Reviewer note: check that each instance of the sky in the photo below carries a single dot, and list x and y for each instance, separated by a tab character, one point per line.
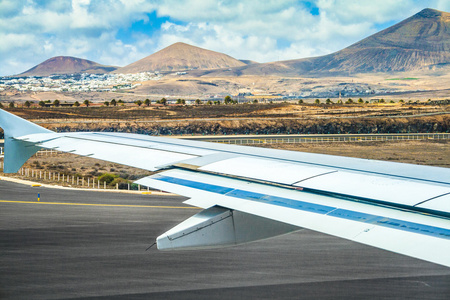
119	32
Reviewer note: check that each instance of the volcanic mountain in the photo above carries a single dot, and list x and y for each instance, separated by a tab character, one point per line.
67	65
419	42
181	57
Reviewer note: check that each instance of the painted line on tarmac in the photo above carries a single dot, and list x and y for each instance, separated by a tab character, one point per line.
93	204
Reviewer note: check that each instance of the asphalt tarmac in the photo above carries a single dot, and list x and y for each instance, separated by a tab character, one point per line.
92	245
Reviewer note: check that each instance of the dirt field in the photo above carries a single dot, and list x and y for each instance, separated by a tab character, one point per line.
432	84
276	118
427	152
155	112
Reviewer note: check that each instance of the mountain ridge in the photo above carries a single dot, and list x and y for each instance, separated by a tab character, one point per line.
420	41
181	57
67	65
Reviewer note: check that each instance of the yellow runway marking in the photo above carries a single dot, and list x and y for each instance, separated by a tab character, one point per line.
92	204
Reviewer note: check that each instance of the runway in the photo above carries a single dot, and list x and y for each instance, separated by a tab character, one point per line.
91	245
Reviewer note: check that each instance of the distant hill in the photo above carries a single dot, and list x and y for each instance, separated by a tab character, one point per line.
419	42
181	57
67	65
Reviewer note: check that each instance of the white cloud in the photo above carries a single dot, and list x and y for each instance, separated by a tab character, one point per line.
340	23
32	31
443	5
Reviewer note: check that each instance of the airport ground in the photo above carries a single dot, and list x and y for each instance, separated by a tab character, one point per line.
75	244
91	245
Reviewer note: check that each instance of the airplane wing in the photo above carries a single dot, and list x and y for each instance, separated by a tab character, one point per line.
252	193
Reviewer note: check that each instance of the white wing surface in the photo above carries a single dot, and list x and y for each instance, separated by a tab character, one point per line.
254	193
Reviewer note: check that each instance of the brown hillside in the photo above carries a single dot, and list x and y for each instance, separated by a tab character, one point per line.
419	42
67	65
181	57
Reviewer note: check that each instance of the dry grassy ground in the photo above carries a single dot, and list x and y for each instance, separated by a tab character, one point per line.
418	85
425	85
426	152
131	112
276	118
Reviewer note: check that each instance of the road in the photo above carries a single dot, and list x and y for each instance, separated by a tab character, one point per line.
91	245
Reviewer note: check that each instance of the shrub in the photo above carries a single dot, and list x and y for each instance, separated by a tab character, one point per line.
107	177
122	182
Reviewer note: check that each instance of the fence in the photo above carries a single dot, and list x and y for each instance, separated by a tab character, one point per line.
68	180
319	138
46	152
328	138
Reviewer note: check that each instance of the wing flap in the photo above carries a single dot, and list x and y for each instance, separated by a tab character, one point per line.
266	169
382	188
384	227
379	188
441	203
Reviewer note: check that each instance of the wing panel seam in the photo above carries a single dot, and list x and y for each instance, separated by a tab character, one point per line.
313	208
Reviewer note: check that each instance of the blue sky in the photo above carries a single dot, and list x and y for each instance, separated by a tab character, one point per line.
118	32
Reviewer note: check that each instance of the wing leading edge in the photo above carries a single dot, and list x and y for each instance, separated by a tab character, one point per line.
254	193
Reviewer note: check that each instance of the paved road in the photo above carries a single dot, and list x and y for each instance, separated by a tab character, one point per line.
64	248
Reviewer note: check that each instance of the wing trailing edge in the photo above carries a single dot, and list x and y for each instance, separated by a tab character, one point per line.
402	230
